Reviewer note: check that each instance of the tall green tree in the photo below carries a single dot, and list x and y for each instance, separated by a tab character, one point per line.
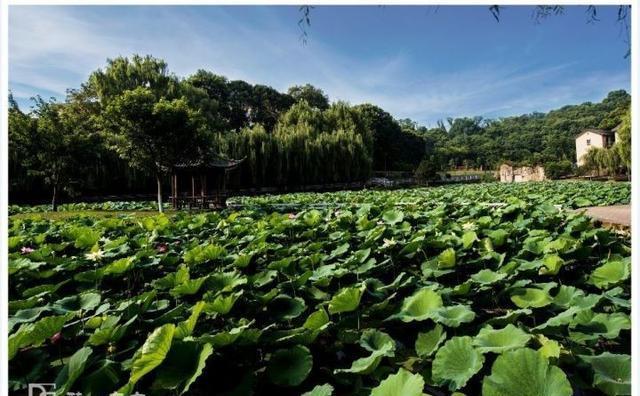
146	114
315	97
623	145
153	133
56	145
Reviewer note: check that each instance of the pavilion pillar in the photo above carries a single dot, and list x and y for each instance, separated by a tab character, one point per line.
174	190
203	190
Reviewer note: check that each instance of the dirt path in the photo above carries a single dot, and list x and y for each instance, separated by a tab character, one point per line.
617	215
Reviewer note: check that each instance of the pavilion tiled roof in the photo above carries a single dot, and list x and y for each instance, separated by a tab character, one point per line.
604	132
208	163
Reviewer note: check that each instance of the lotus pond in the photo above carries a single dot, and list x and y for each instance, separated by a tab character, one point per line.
473	290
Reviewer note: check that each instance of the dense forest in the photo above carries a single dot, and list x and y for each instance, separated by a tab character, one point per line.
121	131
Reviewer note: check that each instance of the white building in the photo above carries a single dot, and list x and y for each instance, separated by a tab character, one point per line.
589	138
509	174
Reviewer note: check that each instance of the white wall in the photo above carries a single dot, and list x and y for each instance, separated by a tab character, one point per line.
582	147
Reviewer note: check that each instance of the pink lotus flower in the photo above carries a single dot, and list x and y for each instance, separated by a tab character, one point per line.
292	216
26	250
55	338
162	247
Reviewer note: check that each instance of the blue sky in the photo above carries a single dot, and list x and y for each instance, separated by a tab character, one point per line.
424	63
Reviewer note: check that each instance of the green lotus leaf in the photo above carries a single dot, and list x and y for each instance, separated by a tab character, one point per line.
34	334
455	315
346	300
560	245
563	318
109	331
84	237
106	375
500	340
225	338
152	353
363	365
204	253
456	362
508	317
526	265
611	273
290	367
119	266
339	251
282	264
616	296
316	320
190	287
468	238
402	383
173	279
487	277
525	372
72	370
374	234
392	216
182	366
430	269
242	260
498	237
81	302
283	307
223	304
447	258
533	245
40	289
312	218
462	289
581	202
410	248
422	305
185	328
360	256
320	390
611	373
531	298
380	344
587	325
427	343
263	278
486	246
226	282
552	265
26	316
549	348
375	341
570	296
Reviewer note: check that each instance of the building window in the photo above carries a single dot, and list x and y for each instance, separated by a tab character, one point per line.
588	142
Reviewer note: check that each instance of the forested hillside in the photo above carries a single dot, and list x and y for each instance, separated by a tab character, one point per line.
84	144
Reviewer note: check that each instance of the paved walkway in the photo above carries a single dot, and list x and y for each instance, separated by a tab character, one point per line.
617	215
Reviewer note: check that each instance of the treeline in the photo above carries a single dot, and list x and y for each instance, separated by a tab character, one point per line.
123	129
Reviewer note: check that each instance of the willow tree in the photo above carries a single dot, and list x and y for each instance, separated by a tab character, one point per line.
623	145
323	146
605	161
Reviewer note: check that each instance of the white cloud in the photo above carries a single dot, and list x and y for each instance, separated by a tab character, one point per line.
54	48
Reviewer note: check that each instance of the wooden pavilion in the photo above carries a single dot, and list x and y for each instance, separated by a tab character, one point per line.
201	183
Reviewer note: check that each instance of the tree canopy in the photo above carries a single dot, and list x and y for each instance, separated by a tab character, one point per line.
139	119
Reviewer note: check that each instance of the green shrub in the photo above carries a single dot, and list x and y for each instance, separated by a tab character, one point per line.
558	169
